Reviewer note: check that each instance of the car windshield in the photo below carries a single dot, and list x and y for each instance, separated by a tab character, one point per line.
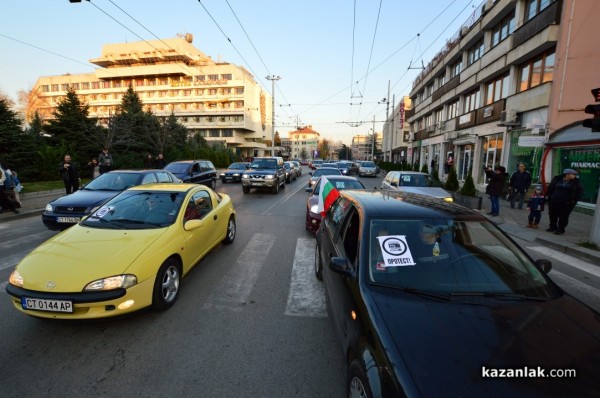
264	164
326	172
137	210
237	166
113	181
458	258
368	164
417	180
288	166
340	184
177	168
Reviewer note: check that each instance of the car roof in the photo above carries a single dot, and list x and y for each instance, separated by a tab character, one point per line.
397	204
409	172
191	161
168	187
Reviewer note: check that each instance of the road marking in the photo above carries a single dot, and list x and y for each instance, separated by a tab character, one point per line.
3	286
287	196
567	259
307	294
232	293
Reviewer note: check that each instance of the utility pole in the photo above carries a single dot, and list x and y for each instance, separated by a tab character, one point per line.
392	127
373	141
387	125
273	79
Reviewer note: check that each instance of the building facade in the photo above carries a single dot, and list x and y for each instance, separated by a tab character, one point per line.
396	138
220	101
366	147
304	143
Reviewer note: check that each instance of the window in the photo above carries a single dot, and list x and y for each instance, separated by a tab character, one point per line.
453	109
441	80
496	89
472	101
475	52
139	82
429	120
239	90
213	77
163	81
536	71
456	69
200	205
504	28
95	85
534	7
212	91
75	86
45	88
227	133
85	86
64	87
105	84
214	133
200	78
117	84
226	76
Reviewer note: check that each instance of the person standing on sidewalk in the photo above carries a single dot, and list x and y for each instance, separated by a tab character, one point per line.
535	205
495	187
69	174
562	195
520	181
105	160
5	203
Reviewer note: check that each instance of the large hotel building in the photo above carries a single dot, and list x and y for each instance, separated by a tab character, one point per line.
511	86
220	101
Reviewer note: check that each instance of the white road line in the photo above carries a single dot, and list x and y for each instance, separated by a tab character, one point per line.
567	259
574	286
285	199
307	294
232	293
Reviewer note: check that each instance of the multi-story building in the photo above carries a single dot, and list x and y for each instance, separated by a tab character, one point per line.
220	101
304	143
483	99
396	133
366	147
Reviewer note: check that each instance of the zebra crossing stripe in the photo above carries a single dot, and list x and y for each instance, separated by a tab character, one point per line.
306	295
232	294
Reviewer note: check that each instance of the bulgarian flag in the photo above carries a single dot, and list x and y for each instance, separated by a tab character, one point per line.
327	195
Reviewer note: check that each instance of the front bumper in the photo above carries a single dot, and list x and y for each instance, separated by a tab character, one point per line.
258	183
88	305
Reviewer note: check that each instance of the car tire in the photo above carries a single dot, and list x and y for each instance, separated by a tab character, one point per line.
231	231
318	263
213	183
223	181
356	383
166	285
275	189
246	189
283	185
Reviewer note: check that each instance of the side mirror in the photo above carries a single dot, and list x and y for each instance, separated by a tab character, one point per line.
544	264
192	224
340	265
309	189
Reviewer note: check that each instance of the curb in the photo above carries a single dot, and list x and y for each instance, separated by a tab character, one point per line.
591	256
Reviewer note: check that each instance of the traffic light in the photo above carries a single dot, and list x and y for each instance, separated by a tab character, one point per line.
594	123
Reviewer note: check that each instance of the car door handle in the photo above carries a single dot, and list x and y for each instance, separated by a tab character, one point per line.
215	217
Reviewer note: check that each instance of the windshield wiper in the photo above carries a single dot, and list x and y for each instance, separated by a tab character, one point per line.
498	295
418	292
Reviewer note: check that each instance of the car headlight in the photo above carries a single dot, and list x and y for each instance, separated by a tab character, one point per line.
269	177
113	282
222	174
236	174
16	279
49	207
449	199
314	208
245	176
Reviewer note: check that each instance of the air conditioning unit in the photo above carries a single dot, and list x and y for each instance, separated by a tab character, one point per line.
441	125
508	116
449	136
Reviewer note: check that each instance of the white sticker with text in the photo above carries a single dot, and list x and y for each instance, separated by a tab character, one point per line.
395	251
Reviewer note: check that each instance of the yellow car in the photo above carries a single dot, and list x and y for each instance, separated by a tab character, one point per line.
129	254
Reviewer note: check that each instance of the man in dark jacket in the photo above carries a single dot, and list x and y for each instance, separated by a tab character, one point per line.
562	195
520	181
69	174
495	187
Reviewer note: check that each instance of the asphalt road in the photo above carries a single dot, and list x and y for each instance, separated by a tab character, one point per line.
251	319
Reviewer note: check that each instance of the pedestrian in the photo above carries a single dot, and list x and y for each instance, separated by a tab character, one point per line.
535	205
13	187
148	162
563	193
160	161
95	168
520	181
5	202
495	186
449	162
105	161
69	174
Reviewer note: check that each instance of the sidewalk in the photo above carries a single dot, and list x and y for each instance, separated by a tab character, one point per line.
511	221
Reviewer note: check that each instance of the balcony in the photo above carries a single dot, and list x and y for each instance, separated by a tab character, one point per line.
549	16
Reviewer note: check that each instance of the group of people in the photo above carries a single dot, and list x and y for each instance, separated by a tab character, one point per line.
69	172
158	163
10	186
562	194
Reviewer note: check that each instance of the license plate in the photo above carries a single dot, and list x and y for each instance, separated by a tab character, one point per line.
71	220
46	305
257	184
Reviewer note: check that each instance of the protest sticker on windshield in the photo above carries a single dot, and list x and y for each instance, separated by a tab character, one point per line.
395	251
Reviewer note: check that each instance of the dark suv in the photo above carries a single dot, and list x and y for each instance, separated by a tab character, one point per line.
264	172
194	171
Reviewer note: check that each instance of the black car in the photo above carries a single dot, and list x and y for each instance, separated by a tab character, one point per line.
67	210
431	299
194	171
234	172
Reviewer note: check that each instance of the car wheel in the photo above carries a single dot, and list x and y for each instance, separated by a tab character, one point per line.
275	189
318	263
223	181
231	229
166	285
213	183
357	382
246	189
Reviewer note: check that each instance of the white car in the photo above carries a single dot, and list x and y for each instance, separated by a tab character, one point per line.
415	182
368	168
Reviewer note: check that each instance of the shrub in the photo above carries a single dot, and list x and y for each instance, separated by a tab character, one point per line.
468	188
424	168
452	181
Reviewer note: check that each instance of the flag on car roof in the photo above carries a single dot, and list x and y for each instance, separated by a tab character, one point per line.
327	195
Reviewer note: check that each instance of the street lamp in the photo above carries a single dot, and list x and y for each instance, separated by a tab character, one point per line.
273	79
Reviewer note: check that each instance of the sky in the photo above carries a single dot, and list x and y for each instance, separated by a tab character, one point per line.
335	58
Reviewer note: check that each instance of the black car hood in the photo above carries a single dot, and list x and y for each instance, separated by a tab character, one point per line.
84	198
446	345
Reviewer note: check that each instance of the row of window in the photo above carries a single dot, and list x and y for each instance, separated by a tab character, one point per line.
162	81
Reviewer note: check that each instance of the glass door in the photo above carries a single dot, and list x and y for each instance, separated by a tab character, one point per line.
466	162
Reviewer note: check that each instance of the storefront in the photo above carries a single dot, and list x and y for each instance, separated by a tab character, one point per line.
527	147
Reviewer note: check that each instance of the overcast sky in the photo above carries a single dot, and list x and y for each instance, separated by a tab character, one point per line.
335	57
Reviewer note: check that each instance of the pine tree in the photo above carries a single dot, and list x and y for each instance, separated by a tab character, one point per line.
452	181
468	188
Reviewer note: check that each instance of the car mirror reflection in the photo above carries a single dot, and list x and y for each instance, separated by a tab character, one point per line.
340	266
544	264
